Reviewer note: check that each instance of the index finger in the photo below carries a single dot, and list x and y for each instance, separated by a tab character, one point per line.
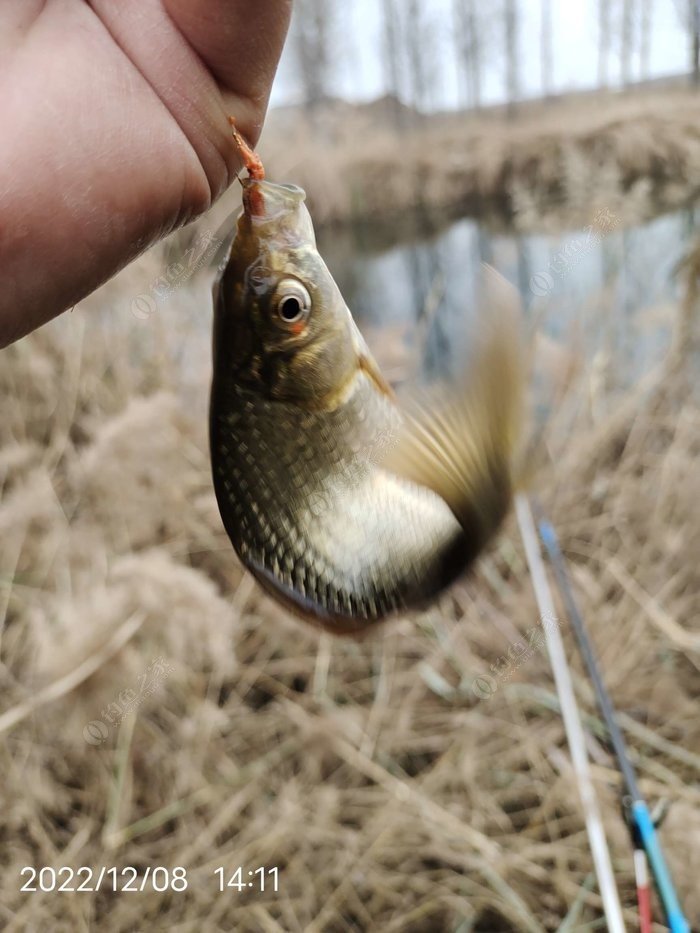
240	43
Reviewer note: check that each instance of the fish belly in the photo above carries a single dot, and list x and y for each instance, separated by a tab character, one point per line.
309	511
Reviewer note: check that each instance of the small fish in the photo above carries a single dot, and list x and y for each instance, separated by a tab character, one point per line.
344	505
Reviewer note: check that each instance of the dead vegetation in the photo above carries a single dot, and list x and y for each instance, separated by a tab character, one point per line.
633	153
390	789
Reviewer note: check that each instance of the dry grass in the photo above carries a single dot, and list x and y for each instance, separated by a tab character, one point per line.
390	796
633	154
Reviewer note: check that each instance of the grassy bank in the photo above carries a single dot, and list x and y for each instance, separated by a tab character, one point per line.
555	163
391	792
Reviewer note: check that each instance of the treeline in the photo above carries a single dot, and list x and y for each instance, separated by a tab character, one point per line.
481	36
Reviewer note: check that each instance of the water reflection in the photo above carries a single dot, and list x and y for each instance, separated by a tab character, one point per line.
608	286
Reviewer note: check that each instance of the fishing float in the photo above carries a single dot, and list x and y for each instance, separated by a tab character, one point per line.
644	832
572	720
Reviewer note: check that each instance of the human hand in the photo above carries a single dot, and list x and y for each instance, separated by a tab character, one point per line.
113	132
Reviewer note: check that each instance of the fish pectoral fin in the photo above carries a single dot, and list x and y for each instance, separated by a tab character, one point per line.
461	439
368	365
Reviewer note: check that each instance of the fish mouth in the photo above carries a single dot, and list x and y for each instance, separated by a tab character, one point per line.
265	200
276	214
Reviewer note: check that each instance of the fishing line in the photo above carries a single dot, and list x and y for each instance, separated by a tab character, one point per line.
638	811
572	721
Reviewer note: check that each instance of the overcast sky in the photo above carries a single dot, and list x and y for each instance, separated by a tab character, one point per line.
359	72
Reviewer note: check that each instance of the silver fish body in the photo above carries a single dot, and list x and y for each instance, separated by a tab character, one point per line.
344	507
317	520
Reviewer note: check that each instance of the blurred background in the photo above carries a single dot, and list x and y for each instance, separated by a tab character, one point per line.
156	709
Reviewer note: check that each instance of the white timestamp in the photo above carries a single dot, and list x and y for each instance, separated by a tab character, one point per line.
252	879
85	879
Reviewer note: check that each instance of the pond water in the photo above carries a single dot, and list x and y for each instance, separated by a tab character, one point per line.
610	285
609	292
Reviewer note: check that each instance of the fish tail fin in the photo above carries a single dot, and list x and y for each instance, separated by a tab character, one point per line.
462	441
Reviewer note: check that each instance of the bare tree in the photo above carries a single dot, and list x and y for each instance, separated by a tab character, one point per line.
312	41
468	45
627	40
391	48
419	49
689	13
511	26
694	18
603	41
645	38
546	46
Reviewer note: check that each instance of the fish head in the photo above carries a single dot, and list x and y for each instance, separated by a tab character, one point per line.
282	326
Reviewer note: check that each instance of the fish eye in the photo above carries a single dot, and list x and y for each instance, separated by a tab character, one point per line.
292	301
